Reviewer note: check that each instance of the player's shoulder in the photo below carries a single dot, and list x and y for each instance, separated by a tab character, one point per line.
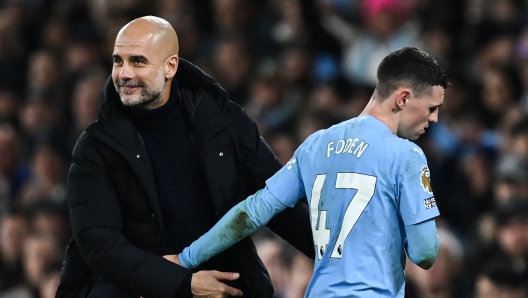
408	150
409	147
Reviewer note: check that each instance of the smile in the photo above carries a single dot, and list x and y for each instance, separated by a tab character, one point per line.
129	87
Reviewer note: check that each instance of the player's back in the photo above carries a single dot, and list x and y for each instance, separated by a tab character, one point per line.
351	175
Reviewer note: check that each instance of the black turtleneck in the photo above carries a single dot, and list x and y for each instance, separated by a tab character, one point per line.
184	199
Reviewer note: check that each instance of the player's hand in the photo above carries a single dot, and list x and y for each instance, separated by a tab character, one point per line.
206	284
173	258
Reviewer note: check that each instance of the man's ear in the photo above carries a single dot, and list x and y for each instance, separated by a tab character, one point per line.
402	98
171	66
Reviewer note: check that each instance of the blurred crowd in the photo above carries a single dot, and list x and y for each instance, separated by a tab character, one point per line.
297	66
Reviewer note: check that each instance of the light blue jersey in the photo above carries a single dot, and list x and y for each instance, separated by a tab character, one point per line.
363	184
369	193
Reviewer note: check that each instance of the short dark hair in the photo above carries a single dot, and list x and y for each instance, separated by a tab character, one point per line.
412	67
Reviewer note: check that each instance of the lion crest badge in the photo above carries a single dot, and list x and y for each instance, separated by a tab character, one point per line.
425	179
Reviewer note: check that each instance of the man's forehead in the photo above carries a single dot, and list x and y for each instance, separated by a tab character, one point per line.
140	45
438	94
131	39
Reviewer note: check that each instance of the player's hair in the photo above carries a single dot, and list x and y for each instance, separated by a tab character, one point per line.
410	67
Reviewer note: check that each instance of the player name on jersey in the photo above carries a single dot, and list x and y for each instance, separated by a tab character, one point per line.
349	146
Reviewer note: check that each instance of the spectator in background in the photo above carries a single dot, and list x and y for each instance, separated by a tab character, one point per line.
512	232
387	26
40	253
50	219
269	107
43	78
516	139
501	91
13	173
47	179
232	65
9	103
283	145
508	246
14	230
510	179
85	102
497	279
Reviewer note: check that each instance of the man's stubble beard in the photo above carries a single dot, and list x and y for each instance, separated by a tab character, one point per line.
148	98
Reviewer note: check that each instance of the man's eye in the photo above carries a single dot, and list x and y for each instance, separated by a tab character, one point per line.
117	61
431	110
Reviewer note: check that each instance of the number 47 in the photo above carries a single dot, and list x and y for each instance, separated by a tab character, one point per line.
365	185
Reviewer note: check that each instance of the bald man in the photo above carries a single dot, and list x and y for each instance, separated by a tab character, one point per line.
168	156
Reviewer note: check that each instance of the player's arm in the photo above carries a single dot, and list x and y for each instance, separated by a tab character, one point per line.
418	207
239	222
260	163
422	243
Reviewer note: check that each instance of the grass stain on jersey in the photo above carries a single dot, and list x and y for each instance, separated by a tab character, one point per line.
238	228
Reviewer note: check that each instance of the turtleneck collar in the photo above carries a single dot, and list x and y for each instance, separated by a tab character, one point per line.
159	118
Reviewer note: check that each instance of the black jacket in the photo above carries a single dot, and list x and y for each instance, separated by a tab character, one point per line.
114	209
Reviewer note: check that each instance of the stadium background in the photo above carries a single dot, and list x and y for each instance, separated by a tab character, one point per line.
296	66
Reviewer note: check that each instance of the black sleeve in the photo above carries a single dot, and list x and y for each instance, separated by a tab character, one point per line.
293	224
95	214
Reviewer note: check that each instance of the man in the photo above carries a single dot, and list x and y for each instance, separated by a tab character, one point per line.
168	156
368	189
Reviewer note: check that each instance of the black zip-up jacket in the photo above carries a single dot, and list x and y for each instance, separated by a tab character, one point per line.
115	213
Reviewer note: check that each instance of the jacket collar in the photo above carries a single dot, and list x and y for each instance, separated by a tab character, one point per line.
204	102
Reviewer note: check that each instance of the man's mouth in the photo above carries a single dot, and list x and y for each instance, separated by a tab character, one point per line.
129	88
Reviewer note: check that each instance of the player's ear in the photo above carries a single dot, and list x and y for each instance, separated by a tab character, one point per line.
402	98
171	66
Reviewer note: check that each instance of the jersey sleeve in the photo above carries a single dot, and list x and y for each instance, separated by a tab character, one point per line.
239	222
422	243
286	185
417	202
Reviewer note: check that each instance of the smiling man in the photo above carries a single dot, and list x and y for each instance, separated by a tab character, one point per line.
145	61
168	156
368	208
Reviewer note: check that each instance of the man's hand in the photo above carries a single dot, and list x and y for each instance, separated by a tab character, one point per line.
173	258
206	284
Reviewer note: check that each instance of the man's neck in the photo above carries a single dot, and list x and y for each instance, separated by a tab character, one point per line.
383	112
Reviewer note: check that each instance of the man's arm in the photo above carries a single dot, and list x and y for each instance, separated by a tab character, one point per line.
422	243
292	224
238	223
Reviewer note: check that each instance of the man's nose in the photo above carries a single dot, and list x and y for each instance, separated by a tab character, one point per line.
126	72
434	117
